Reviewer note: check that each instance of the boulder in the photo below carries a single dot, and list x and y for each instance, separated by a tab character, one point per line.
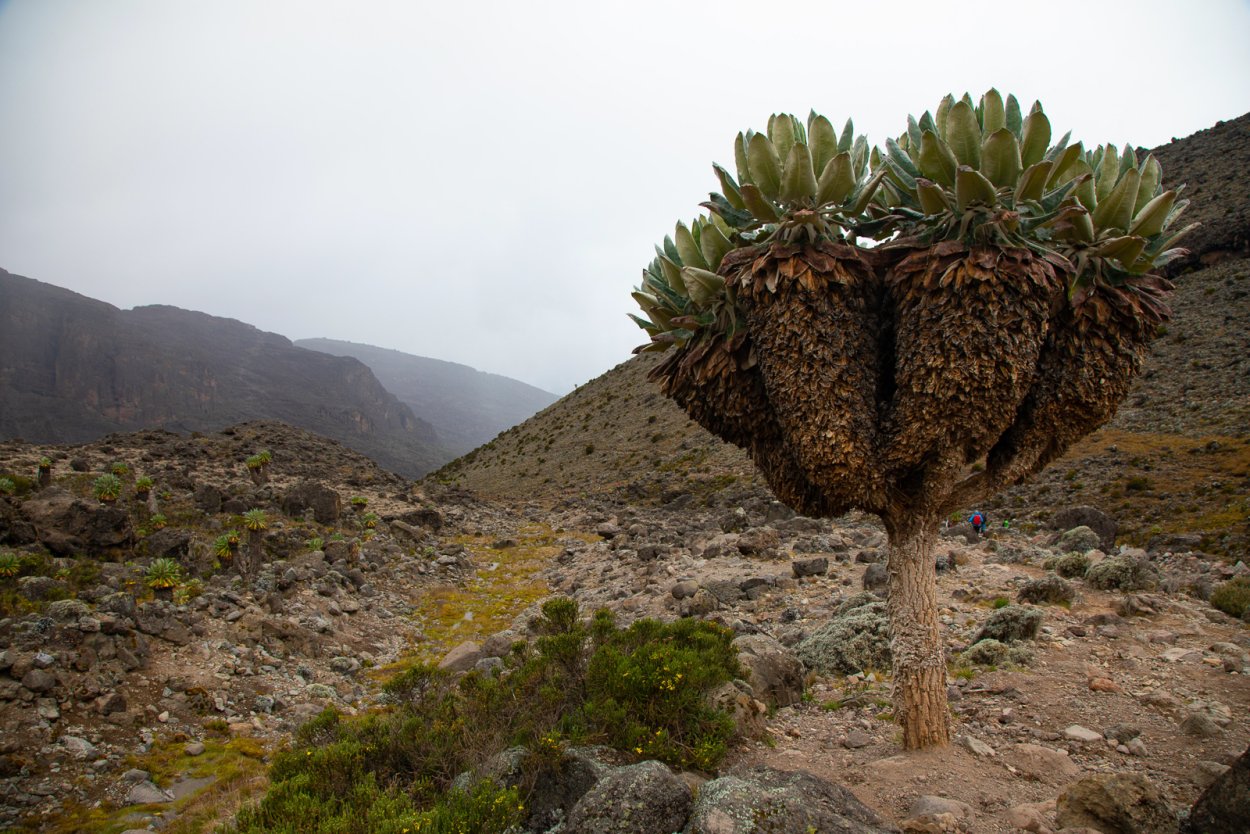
644	798
1092	518
775	674
1116	803
325	503
791	802
815	566
875	576
429	518
1224	807
66	524
14	530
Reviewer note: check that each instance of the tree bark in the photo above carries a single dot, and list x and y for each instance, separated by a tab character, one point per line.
920	704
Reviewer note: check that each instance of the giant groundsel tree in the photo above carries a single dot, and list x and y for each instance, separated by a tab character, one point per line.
907	330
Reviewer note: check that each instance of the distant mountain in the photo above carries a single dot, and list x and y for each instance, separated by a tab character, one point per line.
73	368
467	407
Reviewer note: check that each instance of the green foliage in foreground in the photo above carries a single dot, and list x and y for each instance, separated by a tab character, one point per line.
642	689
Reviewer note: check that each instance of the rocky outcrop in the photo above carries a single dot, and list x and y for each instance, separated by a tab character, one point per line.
66	524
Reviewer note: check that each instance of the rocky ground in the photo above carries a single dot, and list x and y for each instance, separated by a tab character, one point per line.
120	711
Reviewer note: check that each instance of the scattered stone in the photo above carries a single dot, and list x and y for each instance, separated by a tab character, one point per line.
1031	816
816	566
1224	807
1041	763
684	589
875	576
194	748
1116	803
146	793
1200	725
645	798
855	739
462	657
976	746
774	672
1076	732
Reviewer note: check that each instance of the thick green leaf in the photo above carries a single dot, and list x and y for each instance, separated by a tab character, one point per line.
824	144
927	123
740	160
670	250
1115	211
765	166
971	187
759	205
672	275
1106	174
1064	160
932	197
1014	122
847	140
800	180
733	217
728	187
1150	219
781	134
963	134
688	247
993	114
836	181
1035	138
1151	178
913	134
702	286
937	162
714	245
943	110
1033	182
1000	158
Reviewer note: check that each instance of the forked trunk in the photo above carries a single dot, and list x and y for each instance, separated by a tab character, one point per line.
920	704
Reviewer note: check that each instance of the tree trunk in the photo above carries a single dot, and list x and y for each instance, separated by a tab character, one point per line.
919	662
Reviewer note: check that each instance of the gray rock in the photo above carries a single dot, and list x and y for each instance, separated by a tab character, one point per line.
875	576
645	798
929	804
79	748
1197	724
462	657
684	589
1079	540
39	681
855	640
790	803
325	503
146	793
68	610
1224	807
67	524
194	748
815	566
774	672
1116	803
1010	624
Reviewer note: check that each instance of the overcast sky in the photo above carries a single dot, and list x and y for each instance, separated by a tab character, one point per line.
483	182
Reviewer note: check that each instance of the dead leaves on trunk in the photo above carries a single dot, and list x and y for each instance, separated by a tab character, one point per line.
863	374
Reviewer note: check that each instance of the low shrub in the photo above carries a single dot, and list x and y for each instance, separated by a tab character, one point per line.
1232	597
1069	566
642	689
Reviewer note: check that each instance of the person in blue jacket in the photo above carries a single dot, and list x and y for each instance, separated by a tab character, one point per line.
977	520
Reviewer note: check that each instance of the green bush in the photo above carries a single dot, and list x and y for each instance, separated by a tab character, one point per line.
1232	597
642	689
107	488
1069	566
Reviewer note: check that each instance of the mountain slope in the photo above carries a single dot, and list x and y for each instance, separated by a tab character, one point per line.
1175	460
467	407
73	368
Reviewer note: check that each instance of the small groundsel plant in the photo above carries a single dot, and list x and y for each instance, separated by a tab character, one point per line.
158	521
315	543
107	488
119	468
143	486
369	520
10	565
642	690
255	519
359	502
45	464
163	573
7	486
226	545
